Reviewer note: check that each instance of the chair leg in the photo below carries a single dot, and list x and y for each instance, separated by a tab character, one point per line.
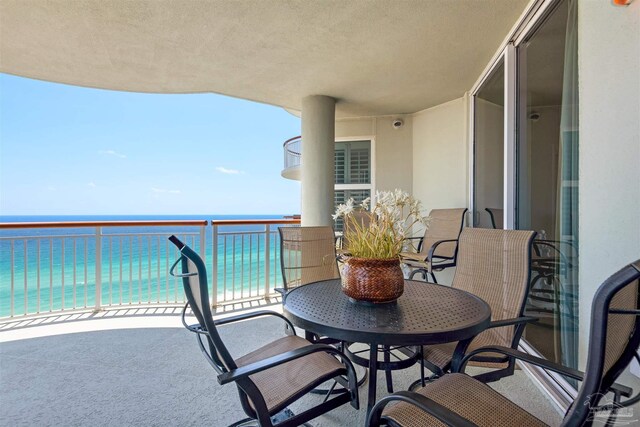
433	277
245	423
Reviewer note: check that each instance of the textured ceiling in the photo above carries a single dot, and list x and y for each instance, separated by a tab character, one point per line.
375	57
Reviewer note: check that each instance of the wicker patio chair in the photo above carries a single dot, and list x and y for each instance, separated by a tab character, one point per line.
459	400
497	217
307	254
438	247
493	265
272	377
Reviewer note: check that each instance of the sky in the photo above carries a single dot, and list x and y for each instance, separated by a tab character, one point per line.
68	150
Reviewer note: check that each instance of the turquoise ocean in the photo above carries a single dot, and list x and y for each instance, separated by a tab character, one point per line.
47	271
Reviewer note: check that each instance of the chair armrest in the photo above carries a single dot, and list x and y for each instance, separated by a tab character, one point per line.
279	359
431	407
510	322
543	363
433	248
245	316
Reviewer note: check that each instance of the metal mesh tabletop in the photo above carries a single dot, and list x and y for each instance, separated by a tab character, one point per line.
425	314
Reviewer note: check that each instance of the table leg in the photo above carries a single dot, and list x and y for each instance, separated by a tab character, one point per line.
373	372
387	372
459	353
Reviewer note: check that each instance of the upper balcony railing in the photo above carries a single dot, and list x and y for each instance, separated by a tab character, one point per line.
63	266
292	157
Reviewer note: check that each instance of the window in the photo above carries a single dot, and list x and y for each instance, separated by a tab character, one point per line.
352	172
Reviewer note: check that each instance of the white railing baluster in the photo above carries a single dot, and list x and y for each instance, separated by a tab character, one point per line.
86	275
50	274
242	269
26	309
74	273
62	261
267	258
158	268
120	270
224	270
38	276
130	269
140	269
149	283
98	297
233	267
110	270
13	277
250	263
166	270
214	262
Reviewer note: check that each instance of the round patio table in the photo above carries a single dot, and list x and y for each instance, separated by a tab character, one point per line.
425	314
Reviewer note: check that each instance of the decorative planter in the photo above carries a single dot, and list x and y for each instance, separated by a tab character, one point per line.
372	280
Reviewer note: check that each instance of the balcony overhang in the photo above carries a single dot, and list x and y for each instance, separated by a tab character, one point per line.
375	57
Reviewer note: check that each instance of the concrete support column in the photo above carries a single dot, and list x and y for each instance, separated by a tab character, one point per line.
318	164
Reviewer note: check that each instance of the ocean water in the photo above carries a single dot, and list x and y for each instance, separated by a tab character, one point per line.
49	269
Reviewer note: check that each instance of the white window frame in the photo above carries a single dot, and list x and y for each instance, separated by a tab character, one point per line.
372	172
507	56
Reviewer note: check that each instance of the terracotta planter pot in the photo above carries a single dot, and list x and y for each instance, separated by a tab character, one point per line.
372	280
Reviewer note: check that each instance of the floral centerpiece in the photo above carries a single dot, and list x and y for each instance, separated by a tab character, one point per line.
373	243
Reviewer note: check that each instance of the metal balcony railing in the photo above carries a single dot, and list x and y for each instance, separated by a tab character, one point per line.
65	266
292	152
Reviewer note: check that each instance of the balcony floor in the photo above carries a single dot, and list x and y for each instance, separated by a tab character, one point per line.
149	372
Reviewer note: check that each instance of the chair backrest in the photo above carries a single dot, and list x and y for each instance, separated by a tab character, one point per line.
497	217
307	254
194	280
613	341
444	224
358	218
494	265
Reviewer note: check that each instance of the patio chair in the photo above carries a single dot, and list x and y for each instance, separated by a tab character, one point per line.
493	265
459	400
497	217
307	254
438	247
272	377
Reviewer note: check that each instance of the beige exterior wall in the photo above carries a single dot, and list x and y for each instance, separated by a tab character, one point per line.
441	161
440	156
392	166
609	70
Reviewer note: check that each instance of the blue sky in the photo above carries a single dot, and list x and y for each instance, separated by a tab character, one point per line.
67	150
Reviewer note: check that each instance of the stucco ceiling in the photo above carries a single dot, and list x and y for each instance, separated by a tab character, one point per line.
375	57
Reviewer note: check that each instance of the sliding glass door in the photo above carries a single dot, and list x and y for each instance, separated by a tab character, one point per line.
547	179
525	167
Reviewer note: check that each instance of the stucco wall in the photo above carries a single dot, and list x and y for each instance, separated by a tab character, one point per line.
440	160
440	156
609	72
392	155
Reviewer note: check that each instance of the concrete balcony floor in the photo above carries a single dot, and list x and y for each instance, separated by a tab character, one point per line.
146	370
